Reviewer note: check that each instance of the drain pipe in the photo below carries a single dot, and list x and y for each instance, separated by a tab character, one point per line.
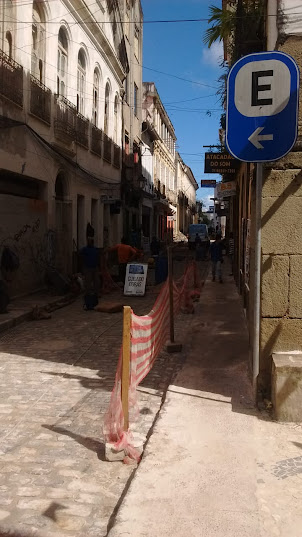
257	282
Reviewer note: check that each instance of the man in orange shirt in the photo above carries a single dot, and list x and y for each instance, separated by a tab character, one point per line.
125	255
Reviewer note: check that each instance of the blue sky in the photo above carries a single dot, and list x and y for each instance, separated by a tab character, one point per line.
178	49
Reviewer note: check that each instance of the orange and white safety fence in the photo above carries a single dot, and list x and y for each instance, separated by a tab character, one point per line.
148	334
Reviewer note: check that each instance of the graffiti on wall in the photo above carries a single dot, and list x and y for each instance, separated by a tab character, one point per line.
40	250
34	228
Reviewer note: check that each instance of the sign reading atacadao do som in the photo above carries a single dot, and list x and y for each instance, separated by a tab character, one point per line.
220	163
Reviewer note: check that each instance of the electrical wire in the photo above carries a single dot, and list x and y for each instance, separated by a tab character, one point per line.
164	21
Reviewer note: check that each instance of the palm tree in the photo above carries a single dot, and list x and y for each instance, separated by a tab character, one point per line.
224	25
242	28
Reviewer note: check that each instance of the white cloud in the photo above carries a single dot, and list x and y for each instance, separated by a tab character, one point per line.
207	201
214	55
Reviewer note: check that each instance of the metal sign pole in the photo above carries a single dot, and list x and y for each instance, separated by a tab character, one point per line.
257	283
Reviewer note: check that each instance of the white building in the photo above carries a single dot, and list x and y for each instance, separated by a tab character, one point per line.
132	184
163	139
61	82
186	187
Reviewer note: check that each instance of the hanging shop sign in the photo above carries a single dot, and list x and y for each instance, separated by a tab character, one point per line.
220	163
208	183
226	190
136	277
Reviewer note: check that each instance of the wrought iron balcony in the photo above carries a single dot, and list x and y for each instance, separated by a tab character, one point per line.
40	99
11	79
116	156
107	148
65	122
82	125
96	141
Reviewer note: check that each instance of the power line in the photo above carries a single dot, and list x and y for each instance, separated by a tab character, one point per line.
140	64
158	21
94	48
180	78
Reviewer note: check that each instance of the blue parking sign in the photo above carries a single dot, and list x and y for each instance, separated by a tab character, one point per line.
262	107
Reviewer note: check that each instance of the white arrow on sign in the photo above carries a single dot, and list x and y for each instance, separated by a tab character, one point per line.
256	137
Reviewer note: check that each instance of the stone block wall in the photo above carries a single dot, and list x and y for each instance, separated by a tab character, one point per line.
281	283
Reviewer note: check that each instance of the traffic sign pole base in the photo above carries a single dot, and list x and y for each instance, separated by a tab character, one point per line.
173	347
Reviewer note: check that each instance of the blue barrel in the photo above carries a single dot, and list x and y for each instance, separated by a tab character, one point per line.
161	269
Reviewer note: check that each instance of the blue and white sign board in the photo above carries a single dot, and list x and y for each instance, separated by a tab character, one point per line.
262	107
136	277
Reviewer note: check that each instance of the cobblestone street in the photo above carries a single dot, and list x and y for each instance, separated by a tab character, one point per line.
56	377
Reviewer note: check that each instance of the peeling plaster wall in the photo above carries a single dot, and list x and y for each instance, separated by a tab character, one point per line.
292	17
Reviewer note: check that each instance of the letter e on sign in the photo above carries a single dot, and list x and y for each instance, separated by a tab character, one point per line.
262	88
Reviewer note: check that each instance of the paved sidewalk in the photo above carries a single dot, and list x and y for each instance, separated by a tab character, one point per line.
56	377
215	467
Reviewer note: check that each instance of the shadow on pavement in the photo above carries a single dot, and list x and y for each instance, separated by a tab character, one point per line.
89	443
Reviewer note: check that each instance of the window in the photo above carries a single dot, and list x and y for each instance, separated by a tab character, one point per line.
126	88
127	21
81	81
8	29
136	42
8	44
135	99
135	153
38	43
95	103
127	144
106	110
62	62
163	131
115	118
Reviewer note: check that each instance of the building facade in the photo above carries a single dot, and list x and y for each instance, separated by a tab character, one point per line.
132	181
61	86
186	187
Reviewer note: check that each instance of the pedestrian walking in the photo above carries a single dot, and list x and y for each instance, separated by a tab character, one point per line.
231	252
91	271
155	247
198	248
125	255
216	258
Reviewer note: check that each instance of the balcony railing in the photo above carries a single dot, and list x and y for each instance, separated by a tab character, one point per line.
96	141
40	99
107	148
11	79
65	123
116	156
82	125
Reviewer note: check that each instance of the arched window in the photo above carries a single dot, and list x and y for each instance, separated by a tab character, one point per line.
116	100
95	101
8	28
62	62
81	81
38	42
106	110
8	44
60	187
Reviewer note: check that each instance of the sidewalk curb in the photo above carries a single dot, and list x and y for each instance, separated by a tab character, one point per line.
7	324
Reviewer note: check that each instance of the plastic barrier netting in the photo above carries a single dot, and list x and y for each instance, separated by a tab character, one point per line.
149	333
